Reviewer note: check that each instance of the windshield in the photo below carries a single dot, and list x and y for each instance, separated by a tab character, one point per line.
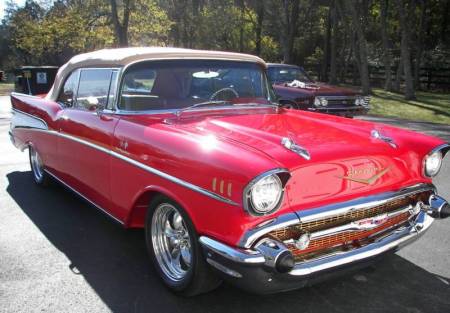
178	84
287	74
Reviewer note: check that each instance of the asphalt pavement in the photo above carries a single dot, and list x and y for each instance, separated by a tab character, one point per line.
59	254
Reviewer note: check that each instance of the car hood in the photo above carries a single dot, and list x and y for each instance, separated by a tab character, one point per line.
317	89
343	152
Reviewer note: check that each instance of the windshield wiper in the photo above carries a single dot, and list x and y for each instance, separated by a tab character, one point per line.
202	104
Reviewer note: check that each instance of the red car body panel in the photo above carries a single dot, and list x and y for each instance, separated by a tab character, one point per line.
220	151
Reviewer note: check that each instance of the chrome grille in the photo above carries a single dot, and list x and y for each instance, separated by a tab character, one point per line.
351	238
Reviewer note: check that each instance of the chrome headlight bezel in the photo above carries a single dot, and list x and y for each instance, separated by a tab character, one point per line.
437	156
280	176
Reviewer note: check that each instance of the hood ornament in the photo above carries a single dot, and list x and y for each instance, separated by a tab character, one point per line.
289	144
377	135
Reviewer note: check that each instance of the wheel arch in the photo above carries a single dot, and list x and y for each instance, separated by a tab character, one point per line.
138	211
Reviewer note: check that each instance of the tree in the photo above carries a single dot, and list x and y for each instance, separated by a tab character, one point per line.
386	45
357	18
403	8
121	27
333	42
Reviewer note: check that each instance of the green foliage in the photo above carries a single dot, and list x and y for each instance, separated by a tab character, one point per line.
50	32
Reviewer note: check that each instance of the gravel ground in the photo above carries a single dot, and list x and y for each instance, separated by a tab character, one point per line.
58	254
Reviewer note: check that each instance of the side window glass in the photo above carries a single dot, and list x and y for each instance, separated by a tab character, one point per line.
112	90
93	89
67	94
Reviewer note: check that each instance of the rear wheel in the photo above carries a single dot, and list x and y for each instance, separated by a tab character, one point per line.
173	245
37	168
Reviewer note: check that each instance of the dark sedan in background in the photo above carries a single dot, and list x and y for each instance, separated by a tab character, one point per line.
294	87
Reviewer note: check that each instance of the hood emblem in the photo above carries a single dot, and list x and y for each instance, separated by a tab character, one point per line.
289	144
377	135
368	181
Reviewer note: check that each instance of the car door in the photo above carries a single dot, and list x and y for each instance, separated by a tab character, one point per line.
86	128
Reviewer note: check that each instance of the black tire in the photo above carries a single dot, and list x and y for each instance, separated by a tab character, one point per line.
199	278
40	177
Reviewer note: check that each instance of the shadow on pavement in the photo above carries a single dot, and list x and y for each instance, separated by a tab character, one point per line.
115	264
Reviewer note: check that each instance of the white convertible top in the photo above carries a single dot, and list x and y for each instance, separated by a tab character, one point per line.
124	56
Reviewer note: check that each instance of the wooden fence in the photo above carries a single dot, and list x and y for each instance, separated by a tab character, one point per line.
429	78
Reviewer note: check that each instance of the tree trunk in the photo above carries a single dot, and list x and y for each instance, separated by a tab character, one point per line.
420	43
362	45
241	25
405	50
398	76
326	48
259	25
386	46
121	29
291	10
333	43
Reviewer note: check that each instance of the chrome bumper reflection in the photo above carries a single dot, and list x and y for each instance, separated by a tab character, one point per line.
393	241
248	257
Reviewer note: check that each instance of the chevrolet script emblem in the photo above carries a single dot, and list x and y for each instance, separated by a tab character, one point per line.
377	173
372	222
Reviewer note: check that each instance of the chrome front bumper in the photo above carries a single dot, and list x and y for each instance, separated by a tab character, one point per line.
254	270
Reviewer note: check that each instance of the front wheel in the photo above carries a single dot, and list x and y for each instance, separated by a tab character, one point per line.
37	168
173	245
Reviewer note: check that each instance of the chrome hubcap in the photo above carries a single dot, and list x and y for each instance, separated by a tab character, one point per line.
171	242
36	165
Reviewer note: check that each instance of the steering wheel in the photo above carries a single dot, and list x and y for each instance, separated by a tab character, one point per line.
226	89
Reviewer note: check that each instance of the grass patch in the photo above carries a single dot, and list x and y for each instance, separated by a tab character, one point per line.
428	107
6	89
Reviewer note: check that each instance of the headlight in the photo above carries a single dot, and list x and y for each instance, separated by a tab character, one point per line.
433	163
264	194
320	101
317	102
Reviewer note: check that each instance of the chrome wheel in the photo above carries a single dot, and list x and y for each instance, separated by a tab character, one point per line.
37	167
171	242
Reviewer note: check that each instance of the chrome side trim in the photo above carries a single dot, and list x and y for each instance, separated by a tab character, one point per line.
144	167
309	215
236	255
22	119
173	178
84	197
393	241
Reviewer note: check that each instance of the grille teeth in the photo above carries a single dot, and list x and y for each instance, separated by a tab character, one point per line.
348	239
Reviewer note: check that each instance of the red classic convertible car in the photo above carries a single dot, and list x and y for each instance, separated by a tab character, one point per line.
190	146
293	86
